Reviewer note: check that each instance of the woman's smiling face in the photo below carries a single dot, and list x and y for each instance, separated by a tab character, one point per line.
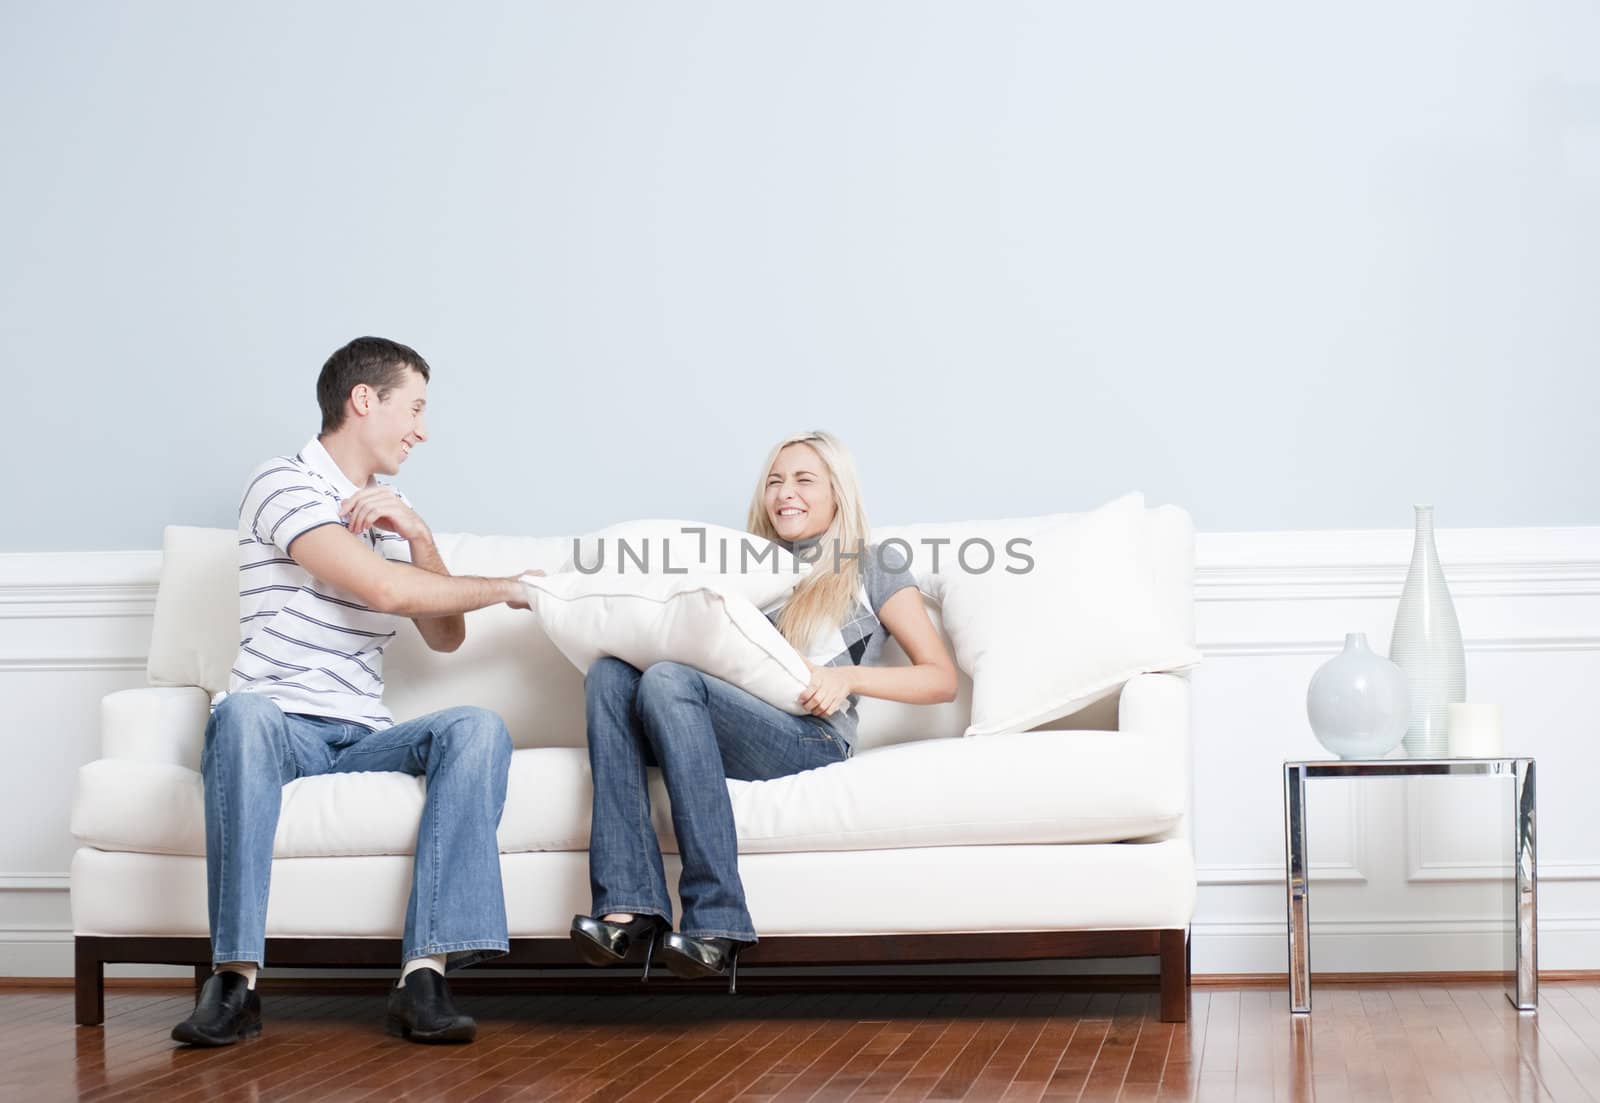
799	496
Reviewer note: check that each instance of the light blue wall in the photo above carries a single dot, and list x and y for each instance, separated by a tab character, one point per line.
1292	266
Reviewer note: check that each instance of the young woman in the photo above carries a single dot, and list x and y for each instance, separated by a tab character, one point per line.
701	730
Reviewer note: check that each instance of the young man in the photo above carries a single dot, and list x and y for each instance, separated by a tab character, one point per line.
330	563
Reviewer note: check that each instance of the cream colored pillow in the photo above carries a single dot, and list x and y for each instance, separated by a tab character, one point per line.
1048	641
195	637
646	620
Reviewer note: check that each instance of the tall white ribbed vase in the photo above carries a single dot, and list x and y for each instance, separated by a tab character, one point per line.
1427	646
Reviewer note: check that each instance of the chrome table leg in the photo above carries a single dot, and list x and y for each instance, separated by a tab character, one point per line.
1294	817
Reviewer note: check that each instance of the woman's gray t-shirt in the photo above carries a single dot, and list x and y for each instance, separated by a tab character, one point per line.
859	640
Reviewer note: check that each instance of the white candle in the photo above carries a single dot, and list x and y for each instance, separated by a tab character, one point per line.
1475	731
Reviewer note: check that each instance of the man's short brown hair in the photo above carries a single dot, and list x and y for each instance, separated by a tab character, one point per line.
379	363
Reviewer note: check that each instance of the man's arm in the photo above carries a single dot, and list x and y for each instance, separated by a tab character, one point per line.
379	506
439	633
333	554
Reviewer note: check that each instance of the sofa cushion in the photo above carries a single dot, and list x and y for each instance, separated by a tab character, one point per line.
1038	787
195	635
508	664
1116	886
1046	639
1035	787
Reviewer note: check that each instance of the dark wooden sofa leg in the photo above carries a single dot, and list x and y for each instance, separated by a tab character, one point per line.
1174	976
89	981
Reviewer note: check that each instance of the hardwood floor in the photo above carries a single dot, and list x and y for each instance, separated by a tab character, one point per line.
1457	1042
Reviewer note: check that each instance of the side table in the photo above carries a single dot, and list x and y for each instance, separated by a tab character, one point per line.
1524	904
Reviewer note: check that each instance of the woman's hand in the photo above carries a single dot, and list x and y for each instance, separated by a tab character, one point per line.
830	686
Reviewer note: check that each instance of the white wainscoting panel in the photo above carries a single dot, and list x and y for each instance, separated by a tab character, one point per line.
1405	876
73	627
1434	854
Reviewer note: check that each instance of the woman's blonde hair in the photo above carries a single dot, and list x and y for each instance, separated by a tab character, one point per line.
825	596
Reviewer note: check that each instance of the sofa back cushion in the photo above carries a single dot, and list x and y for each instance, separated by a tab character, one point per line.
1168	556
1065	621
508	663
195	637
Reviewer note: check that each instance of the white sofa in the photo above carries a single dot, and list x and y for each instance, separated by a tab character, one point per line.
1070	842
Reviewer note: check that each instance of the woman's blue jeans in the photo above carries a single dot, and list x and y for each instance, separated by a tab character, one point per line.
253	749
701	731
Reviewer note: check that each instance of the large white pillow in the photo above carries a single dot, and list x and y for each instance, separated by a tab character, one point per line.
653	619
1045	642
730	559
195	637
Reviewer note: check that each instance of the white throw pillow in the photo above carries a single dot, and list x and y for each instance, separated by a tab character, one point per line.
732	560
646	620
195	637
1048	641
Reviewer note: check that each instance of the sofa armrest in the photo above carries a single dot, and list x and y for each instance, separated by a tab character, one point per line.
1158	705
155	723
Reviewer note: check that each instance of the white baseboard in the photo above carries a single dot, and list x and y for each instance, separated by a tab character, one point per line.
1385	946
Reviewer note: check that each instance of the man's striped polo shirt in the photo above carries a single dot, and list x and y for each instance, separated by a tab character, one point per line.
310	646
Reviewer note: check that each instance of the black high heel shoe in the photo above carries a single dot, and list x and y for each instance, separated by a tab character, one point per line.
689	957
599	942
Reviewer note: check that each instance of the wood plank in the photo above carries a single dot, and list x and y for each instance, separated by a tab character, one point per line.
849	1077
996	1077
974	1057
1558	1007
778	1046
712	1031
1219	1060
1034	1074
1496	1033
1181	1078
1111	1062
931	1067
1142	1084
1423	1032
1563	1064
1484	1076
935	1023
1313	1048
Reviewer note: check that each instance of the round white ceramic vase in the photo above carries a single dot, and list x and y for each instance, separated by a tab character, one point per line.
1358	702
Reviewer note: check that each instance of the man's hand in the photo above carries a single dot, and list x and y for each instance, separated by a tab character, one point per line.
380	507
830	686
516	592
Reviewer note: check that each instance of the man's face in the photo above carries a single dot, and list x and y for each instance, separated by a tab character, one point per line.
394	425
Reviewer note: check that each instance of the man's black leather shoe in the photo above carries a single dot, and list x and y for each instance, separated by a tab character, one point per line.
228	1009
422	1011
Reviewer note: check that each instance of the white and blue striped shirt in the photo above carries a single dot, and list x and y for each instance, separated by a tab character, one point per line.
311	647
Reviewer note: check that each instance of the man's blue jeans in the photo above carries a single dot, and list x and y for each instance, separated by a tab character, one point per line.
701	731
253	749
